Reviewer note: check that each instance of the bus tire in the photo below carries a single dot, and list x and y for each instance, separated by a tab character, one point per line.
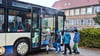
21	47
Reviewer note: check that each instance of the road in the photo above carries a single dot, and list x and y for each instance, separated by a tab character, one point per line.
83	52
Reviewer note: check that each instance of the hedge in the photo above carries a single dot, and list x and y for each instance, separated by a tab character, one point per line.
90	38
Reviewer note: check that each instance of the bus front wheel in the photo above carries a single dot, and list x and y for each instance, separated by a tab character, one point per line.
21	47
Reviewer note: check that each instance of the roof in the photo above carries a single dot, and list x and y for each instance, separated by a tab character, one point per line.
65	4
44	10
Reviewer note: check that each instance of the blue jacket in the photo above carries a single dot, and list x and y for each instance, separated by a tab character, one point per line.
66	38
76	37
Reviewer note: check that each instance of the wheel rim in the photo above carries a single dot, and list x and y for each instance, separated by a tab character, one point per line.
22	48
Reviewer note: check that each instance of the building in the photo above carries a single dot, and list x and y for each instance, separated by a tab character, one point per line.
79	13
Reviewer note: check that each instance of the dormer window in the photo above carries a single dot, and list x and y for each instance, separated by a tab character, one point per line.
65	4
69	4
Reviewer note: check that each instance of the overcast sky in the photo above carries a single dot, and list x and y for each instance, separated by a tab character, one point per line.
47	3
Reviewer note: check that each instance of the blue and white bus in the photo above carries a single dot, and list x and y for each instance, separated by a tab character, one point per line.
24	25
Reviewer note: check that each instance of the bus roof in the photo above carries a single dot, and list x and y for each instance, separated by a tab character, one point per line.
45	10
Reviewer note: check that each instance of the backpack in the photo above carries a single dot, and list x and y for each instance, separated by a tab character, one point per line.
45	42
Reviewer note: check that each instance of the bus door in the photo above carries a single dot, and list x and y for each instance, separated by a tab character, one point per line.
48	29
35	33
61	20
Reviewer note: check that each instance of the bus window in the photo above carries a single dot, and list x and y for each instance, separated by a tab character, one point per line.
18	21
28	23
60	26
35	21
1	20
60	21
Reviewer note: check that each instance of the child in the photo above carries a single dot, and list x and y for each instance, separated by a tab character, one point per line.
58	40
66	39
76	41
46	43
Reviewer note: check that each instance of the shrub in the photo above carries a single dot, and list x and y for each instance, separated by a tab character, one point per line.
90	38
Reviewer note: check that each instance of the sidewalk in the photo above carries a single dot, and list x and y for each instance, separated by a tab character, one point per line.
83	52
89	52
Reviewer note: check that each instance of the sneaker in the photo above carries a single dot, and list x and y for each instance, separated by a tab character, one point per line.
77	52
70	52
74	51
64	53
59	52
56	51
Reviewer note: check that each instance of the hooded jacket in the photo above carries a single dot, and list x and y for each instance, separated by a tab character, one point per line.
76	37
66	38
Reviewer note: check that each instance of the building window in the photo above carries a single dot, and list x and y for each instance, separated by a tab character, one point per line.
89	21
77	22
83	22
67	12
76	11
83	11
65	4
71	12
96	9
96	24
67	22
69	4
89	10
72	22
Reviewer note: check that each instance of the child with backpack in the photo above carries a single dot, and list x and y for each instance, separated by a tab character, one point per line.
76	40
46	43
57	43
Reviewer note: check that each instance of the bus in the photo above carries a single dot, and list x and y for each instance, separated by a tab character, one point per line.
23	26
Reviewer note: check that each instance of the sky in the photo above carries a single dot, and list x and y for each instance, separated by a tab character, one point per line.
47	3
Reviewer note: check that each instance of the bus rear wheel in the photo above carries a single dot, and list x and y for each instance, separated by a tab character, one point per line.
21	47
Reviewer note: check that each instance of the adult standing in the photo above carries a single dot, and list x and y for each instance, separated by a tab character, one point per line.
76	41
66	39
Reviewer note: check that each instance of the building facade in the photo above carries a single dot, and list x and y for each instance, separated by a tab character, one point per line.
79	13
